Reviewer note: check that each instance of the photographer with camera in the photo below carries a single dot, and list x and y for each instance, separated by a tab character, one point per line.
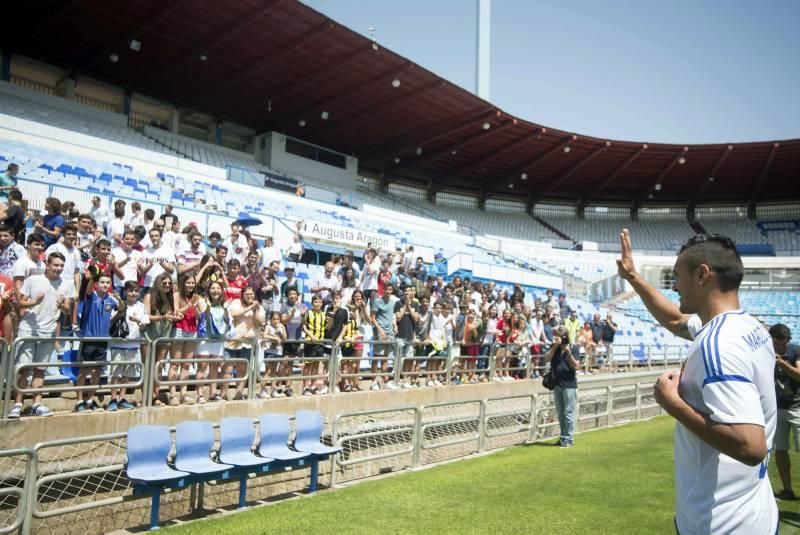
563	366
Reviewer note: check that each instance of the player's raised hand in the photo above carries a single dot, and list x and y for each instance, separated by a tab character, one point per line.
625	265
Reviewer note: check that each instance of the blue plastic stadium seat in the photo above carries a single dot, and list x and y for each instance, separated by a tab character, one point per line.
308	434
275	430
193	444
236	436
148	447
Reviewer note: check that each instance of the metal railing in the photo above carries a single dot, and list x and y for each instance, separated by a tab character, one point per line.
335	366
80	483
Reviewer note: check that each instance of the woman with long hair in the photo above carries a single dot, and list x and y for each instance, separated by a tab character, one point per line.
188	304
359	312
348	286
504	327
213	326
160	306
248	318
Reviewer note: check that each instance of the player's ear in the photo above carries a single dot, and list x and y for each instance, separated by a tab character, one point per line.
703	272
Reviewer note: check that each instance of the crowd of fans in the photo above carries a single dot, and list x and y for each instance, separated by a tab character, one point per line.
136	277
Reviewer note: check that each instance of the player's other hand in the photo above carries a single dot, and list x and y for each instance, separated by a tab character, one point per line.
625	266
666	389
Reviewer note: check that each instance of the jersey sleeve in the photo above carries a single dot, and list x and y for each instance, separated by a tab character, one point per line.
729	389
694	325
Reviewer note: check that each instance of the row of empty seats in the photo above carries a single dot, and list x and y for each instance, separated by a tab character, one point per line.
151	468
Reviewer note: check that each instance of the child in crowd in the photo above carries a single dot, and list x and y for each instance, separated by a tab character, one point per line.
273	336
236	281
314	328
99	308
136	317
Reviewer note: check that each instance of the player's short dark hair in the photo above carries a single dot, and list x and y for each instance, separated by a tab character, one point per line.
779	331
719	253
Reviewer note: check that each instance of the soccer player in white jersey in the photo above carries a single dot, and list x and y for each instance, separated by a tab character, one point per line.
723	398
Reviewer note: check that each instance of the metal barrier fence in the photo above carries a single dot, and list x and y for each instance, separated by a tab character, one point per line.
321	363
80	485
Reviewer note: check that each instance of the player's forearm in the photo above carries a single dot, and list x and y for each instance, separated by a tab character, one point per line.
789	369
663	310
745	443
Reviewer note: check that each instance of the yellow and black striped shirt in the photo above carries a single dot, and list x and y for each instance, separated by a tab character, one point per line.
315	323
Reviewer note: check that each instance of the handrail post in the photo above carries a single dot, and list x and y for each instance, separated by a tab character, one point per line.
417	437
31	474
638	393
333	366
397	363
528	362
252	376
148	367
492	364
448	376
609	412
482	426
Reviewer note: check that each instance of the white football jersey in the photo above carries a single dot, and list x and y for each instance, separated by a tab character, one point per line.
729	376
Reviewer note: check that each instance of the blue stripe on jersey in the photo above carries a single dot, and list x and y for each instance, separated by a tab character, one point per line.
722	378
716	344
705	348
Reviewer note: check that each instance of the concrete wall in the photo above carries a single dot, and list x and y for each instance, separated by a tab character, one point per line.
275	156
26	432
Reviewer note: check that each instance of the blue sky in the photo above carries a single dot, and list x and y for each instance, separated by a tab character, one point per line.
675	71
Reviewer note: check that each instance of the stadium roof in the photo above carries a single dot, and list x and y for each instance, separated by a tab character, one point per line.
271	64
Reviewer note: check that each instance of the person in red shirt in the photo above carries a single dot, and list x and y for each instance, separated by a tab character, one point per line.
235	281
384	277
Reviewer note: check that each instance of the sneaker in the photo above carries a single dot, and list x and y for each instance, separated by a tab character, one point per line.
94	406
786	494
375	387
174	401
16	411
322	391
437	382
390	385
307	391
265	395
405	385
348	388
80	407
430	383
497	379
112	406
238	396
41	410
201	400
216	397
126	405
288	392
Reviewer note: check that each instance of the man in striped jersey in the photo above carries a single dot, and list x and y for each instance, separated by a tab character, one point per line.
723	398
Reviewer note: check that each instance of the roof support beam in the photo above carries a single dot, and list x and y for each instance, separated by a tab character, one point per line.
553	184
637	202
585	201
442	129
482	160
755	196
710	178
224	35
327	102
539	158
150	22
433	156
377	109
269	59
311	77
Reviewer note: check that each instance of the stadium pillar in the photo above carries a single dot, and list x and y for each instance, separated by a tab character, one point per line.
431	192
218	133
175	121
126	102
384	182
530	202
751	211
66	88
482	196
5	66
635	211
581	211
